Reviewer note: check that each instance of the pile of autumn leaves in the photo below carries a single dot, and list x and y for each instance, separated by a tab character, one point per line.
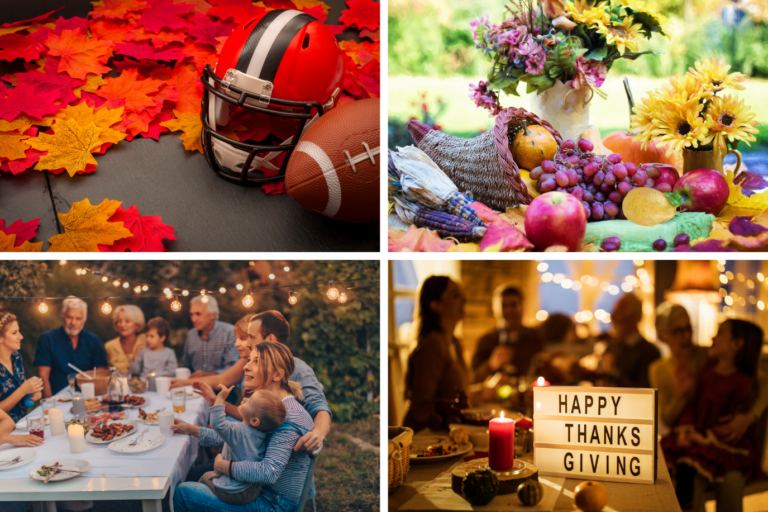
63	108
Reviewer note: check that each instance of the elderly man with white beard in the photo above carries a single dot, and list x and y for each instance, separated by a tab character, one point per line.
70	343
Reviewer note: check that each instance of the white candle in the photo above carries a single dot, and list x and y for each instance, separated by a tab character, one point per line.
88	389
57	422
78	405
76	439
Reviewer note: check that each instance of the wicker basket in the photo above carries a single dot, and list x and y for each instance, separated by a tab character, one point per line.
484	165
99	382
399	463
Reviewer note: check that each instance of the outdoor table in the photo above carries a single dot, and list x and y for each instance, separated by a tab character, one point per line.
146	476
622	497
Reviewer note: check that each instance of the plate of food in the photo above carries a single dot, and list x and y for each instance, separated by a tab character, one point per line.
148	441
434	448
133	401
91	404
58	470
65	398
106	433
149	418
191	393
11	459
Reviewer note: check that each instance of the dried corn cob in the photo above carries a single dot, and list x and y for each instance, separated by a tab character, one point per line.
458	204
448	225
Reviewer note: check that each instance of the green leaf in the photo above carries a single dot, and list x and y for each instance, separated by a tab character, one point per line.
538	83
597	53
635	55
674	198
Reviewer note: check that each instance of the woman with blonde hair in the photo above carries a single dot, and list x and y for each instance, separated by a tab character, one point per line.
14	386
128	320
283	471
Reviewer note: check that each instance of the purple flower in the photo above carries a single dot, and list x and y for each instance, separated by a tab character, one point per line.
513	38
589	72
485	98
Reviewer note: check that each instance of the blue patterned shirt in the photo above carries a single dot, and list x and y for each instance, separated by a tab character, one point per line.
9	382
215	354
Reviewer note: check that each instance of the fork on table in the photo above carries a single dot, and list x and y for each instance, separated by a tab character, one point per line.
9	462
135	441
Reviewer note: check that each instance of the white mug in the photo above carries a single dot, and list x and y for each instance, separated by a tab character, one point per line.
88	389
165	419
163	385
183	373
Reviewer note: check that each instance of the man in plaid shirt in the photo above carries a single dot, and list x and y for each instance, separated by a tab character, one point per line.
210	346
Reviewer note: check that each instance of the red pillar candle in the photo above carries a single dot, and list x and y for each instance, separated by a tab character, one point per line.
501	445
540	382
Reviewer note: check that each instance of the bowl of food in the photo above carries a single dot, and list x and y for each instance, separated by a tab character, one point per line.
137	384
84	420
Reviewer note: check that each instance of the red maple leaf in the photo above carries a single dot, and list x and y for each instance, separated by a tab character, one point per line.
19	166
187	83
145	51
79	56
24	231
156	127
24	98
16	46
164	13
135	92
335	29
201	55
51	81
31	21
117	8
205	31
111	30
316	12
241	11
361	14
148	231
159	40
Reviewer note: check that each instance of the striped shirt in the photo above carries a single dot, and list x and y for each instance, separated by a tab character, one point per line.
282	470
215	354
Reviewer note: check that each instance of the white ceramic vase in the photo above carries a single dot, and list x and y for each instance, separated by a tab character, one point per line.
566	109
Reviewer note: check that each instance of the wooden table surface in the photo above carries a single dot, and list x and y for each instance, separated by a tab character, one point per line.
162	178
621	497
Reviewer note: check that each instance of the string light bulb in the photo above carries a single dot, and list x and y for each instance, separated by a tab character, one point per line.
287	269
63	262
104	279
145	288
248	299
176	305
239	287
106	308
222	290
137	289
203	297
333	292
185	292
292	299
126	285
116	283
43	307
343	297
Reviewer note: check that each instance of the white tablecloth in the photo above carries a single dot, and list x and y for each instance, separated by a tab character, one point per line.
171	460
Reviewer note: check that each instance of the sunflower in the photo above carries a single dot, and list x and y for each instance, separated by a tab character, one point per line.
583	13
641	122
679	127
626	36
714	74
683	90
728	118
643	8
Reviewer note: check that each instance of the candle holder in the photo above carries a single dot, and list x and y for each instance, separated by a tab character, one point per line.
518	467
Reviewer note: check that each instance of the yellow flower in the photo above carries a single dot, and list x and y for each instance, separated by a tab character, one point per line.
729	118
714	74
681	126
642	119
626	37
682	90
583	13
642	7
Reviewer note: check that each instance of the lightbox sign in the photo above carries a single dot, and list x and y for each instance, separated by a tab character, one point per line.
596	433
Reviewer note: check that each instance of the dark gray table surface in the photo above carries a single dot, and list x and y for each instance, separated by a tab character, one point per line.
162	178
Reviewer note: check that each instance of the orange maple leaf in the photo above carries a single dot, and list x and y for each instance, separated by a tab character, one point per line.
7	244
86	226
12	146
69	147
191	125
117	8
20	124
92	84
79	56
104	118
187	82
128	86
352	48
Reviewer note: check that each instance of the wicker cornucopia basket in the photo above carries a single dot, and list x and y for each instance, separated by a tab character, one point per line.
484	165
399	462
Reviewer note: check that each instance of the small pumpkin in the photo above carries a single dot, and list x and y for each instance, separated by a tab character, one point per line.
590	496
530	492
592	134
532	145
631	151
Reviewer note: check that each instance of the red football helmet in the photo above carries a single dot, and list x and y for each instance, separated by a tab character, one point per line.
286	64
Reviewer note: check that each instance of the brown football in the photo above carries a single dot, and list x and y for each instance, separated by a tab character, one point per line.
334	170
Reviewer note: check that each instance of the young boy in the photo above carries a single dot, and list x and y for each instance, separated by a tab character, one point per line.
245	440
155	357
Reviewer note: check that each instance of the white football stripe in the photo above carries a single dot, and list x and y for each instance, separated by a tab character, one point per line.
267	40
331	178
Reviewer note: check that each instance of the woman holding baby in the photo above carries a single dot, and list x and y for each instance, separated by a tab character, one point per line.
248	459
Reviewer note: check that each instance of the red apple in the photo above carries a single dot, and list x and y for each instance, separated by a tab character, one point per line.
702	190
669	174
556	218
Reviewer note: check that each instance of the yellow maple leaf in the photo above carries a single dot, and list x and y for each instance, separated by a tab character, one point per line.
351	48
737	199
308	4
92	83
20	124
191	125
86	226
103	118
12	146
7	243
69	148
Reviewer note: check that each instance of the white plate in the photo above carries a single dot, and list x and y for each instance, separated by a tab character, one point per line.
146	403
190	393
77	464
65	398
95	440
149	441
418	441
22	425
139	420
27	456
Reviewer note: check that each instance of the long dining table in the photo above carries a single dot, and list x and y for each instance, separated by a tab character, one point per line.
146	476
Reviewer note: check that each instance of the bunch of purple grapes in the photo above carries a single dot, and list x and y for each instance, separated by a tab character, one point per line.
599	182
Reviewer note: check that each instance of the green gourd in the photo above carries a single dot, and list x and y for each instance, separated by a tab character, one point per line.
530	492
480	486
635	238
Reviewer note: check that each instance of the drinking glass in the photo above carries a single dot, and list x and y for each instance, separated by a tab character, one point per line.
36	425
71	378
179	398
47	404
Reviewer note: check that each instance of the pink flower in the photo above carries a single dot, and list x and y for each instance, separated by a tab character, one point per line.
514	37
590	72
480	21
535	63
485	98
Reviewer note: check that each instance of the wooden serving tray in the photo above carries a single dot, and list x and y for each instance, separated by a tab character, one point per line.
508	483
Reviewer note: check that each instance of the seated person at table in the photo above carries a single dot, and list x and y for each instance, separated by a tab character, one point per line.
559	361
210	346
245	440
7	425
726	386
155	357
14	387
627	359
70	343
128	320
436	375
511	346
